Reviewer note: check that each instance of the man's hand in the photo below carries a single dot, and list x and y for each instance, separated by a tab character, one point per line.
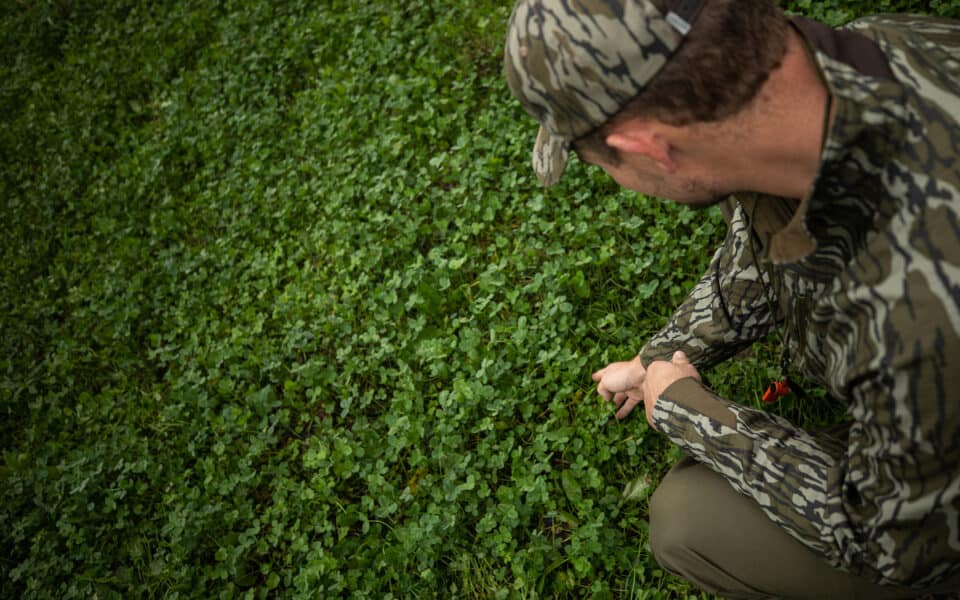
621	382
661	375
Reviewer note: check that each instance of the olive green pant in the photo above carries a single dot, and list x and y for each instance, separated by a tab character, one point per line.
706	532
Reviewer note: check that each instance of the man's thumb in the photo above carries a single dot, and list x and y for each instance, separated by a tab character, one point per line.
680	357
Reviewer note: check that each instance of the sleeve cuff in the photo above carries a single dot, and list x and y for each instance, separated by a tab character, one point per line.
687	396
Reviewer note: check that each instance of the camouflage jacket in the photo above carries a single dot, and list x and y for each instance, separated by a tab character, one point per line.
863	275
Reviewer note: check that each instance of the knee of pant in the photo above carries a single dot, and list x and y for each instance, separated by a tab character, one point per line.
673	533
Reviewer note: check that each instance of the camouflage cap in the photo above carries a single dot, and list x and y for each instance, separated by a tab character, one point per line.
573	64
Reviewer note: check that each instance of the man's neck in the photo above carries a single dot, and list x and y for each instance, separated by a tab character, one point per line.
774	145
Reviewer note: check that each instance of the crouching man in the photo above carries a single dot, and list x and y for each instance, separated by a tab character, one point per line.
835	155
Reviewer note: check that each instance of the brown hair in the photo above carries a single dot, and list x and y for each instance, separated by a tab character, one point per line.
717	72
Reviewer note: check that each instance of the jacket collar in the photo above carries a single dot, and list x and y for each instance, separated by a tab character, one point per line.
846	62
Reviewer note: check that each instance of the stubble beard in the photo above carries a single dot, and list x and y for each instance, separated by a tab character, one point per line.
701	195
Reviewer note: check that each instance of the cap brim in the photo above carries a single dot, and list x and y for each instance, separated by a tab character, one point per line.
550	155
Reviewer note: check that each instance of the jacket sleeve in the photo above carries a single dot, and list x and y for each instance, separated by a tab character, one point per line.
883	504
727	310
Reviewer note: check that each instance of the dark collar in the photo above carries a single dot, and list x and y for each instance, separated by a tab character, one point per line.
792	240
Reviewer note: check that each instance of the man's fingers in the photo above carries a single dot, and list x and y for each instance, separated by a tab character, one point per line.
681	361
619	383
604	392
619	398
627	407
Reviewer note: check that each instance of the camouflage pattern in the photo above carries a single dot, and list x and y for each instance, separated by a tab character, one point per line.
864	277
573	64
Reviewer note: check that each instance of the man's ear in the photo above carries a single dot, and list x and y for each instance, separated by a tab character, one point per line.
643	138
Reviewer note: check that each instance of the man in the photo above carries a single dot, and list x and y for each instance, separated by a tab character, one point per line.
840	150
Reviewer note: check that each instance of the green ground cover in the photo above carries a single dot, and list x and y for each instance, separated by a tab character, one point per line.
283	311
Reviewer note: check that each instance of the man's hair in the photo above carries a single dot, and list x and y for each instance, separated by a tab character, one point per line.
725	60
